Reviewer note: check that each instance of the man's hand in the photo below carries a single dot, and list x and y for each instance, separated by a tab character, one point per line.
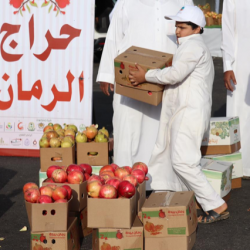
228	76
104	86
138	76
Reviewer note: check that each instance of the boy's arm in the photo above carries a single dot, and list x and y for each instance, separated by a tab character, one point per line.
182	67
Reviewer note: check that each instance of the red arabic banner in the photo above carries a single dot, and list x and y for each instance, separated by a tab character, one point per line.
46	66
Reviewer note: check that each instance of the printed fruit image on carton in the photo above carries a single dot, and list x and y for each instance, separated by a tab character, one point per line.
162	214
115	248
37	247
106	246
119	235
153	229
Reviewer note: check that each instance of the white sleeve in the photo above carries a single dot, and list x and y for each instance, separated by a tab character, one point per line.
182	67
228	34
188	2
117	28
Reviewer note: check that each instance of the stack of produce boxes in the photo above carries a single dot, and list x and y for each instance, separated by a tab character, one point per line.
170	221
92	147
116	195
221	143
48	214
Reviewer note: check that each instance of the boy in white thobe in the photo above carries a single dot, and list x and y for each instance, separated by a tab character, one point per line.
140	23
186	109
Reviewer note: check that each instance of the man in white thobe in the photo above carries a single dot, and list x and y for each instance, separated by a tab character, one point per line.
139	23
236	48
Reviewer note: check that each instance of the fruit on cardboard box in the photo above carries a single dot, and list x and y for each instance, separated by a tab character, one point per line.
91	132
104	132
46	190
128	168
142	166
86	167
107	168
32	195
55	143
71	126
114	182
126	189
81	137
44	199
59	193
44	143
139	174
69	190
132	179
74	167
114	166
76	177
93	188
29	185
59	176
121	173
108	192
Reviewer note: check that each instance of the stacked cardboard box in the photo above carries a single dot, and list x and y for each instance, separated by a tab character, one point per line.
170	221
147	59
221	142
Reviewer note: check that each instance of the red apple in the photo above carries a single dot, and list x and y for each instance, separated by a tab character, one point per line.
51	169
87	168
29	185
76	177
69	191
59	176
44	199
59	193
45	190
32	195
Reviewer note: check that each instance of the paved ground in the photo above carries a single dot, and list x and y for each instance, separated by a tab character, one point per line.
232	234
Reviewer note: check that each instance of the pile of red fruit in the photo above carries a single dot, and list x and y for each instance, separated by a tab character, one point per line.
73	174
117	182
46	194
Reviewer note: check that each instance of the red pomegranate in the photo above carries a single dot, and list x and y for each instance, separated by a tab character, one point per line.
106	168
108	192
51	169
45	190
126	189
76	177
94	178
87	176
59	193
29	185
59	176
16	3
114	182
142	166
51	186
114	166
87	168
128	168
68	188
93	188
32	195
121	173
49	180
74	167
139	174
132	179
90	132
44	199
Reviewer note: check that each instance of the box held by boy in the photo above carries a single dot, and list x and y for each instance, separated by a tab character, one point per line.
93	153
219	175
57	240
56	156
222	136
169	214
109	238
112	213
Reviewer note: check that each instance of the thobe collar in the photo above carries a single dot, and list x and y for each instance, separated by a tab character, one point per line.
182	40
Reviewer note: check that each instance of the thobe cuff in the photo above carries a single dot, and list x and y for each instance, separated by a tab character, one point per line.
102	77
227	65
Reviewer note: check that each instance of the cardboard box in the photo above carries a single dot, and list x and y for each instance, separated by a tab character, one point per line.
147	59
141	195
111	213
209	21
150	97
100	159
237	183
48	217
42	177
96	169
222	137
130	239
235	159
57	240
219	175
169	214
56	156
171	243
84	218
79	193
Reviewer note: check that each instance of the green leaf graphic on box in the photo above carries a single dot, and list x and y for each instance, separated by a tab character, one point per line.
150	214
117	64
33	4
28	8
68	235
177	230
224	180
35	236
45	4
107	234
212	174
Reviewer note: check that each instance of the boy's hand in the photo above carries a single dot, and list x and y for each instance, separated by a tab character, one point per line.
105	86
138	76
228	76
